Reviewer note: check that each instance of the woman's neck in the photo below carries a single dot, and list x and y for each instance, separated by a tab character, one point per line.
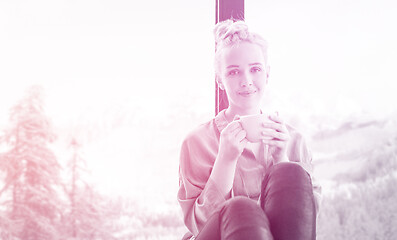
233	111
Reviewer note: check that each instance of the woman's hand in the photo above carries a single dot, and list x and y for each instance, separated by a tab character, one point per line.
231	144
232	141
277	137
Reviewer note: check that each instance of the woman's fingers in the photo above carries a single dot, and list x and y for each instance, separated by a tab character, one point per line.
273	125
275	143
241	135
277	136
276	124
234	131
272	134
233	125
276	119
235	128
232	128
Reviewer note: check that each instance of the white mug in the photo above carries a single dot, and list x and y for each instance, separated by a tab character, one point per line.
252	124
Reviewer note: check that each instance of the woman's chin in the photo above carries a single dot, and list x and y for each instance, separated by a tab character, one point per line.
253	106
250	101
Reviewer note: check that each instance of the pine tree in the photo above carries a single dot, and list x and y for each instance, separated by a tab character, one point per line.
31	171
88	217
74	167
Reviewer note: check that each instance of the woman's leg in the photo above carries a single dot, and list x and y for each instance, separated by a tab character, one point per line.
240	218
211	229
288	201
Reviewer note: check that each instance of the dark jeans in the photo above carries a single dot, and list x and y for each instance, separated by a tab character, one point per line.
286	211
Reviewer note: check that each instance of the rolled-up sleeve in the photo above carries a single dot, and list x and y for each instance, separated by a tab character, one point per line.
198	196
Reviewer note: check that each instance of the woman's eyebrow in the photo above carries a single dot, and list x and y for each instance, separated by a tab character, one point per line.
251	64
232	66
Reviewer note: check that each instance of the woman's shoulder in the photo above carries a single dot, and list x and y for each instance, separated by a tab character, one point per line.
199	146
205	131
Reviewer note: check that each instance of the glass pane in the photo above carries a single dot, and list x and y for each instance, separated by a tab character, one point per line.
339	53
123	83
333	76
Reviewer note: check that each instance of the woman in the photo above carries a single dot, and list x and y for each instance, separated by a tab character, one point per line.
231	188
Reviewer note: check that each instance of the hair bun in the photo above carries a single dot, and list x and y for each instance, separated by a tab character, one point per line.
231	33
224	31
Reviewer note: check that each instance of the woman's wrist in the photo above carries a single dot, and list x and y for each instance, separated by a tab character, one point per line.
223	174
226	158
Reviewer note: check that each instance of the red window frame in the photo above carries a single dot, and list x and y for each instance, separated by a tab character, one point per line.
226	9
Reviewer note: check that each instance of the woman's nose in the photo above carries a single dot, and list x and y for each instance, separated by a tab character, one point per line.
246	80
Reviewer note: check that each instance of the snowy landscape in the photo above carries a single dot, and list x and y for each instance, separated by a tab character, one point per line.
97	96
133	183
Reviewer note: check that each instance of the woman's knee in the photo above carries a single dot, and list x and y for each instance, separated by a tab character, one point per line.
290	170
290	175
239	205
240	216
244	211
287	181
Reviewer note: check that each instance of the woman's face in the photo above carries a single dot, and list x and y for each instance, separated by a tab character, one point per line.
243	75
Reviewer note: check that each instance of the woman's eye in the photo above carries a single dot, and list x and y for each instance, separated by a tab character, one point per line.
256	69
233	72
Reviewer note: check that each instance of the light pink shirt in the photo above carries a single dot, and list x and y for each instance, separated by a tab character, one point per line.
200	197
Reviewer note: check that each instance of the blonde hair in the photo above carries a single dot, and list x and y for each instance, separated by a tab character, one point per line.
230	33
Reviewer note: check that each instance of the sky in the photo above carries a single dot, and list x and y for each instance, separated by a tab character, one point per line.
101	50
332	49
153	60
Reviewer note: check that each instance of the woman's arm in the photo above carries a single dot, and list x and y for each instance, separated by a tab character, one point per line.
198	195
205	184
231	145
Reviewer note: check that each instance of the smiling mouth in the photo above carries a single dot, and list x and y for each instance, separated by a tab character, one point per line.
247	93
